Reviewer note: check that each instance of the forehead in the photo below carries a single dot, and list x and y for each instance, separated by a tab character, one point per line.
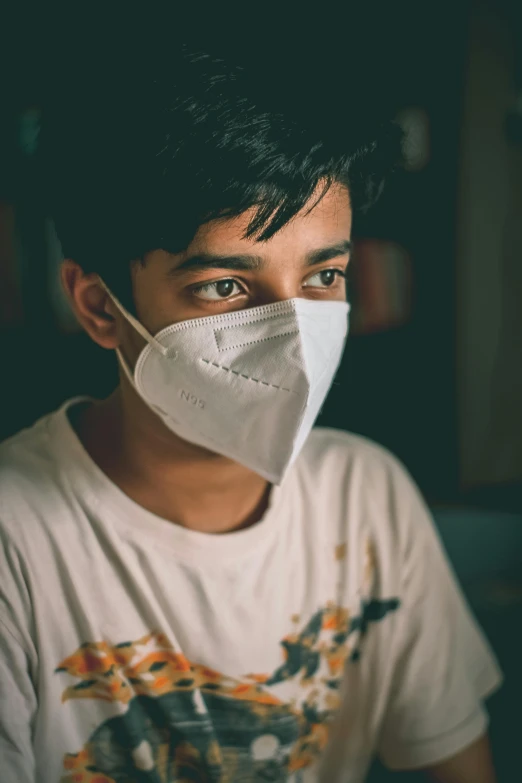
330	220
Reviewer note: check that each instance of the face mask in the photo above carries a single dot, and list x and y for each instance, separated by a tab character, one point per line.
247	384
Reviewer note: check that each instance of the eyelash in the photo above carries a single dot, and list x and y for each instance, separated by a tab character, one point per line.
206	286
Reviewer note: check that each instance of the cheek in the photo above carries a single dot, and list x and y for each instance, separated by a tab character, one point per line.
155	299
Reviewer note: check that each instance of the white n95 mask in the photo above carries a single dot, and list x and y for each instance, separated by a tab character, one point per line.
247	384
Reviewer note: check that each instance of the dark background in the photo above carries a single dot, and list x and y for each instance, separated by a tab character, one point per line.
396	385
417	384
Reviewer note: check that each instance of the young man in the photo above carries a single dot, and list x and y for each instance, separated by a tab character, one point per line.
194	586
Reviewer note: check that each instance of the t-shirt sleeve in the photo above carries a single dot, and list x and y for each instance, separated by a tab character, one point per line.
443	666
17	707
18	700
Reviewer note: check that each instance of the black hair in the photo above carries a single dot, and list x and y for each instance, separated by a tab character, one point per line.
136	158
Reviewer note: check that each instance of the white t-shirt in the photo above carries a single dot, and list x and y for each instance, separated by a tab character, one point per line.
133	649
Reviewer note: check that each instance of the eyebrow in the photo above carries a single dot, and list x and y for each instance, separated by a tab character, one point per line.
250	262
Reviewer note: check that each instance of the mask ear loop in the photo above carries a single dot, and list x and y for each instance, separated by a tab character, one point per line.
165	351
126	369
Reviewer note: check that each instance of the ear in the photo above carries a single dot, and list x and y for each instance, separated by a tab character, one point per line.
92	306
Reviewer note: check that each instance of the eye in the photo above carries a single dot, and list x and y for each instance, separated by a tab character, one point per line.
326	278
218	290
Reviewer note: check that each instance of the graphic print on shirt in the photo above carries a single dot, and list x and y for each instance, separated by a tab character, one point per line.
179	721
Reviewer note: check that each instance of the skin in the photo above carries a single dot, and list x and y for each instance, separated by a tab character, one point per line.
170	477
474	764
174	479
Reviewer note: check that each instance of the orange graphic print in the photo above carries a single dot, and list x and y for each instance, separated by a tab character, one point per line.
181	721
177	721
149	666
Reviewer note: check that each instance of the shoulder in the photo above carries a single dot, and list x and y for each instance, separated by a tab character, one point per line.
28	477
24	456
331	455
362	484
30	503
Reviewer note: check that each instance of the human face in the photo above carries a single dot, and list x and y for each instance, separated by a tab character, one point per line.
221	271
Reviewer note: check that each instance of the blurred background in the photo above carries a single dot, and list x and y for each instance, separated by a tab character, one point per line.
433	368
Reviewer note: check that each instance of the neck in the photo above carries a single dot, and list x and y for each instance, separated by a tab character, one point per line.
166	475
